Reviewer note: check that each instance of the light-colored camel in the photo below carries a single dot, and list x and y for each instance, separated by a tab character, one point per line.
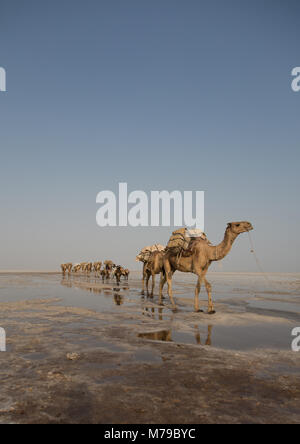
97	267
66	268
198	261
109	267
76	268
154	266
126	273
83	266
63	268
144	257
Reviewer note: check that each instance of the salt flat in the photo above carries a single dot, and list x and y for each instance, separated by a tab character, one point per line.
134	361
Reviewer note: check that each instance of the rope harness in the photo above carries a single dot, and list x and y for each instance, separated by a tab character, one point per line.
259	266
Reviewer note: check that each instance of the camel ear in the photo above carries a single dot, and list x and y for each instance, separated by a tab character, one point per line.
229	225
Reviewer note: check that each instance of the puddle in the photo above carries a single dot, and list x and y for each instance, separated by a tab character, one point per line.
155	313
81	292
89	341
230	338
275	306
163	335
34	356
146	356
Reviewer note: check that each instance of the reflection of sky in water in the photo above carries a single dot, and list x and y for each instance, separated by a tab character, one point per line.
231	338
111	298
277	306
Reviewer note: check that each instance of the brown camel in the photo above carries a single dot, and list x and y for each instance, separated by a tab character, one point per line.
198	259
66	268
63	269
118	273
97	268
103	274
126	273
154	266
144	257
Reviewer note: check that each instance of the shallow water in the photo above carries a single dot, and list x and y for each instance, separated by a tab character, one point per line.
231	338
237	293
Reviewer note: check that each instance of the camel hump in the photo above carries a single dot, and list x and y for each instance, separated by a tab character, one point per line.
178	241
146	252
181	240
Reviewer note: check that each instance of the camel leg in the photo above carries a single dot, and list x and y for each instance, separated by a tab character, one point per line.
147	283
210	302
143	284
153	284
209	332
143	280
163	280
197	292
169	275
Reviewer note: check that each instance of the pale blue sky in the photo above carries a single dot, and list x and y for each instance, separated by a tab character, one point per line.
161	94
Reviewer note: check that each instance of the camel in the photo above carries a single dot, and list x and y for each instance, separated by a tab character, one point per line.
63	269
103	274
144	257
76	268
118	273
89	267
109	266
155	265
126	273
97	267
198	259
83	266
66	268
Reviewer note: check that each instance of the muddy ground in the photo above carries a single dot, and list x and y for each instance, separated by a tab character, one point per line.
114	357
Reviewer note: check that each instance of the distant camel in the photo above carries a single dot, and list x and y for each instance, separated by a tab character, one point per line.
83	266
126	274
198	260
103	274
76	268
118	273
63	269
66	268
109	266
97	267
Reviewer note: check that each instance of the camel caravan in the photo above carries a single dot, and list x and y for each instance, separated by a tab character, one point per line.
105	270
188	251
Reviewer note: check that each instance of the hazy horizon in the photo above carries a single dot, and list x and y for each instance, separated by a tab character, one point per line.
163	95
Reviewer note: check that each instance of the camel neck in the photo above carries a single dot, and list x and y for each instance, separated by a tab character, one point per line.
220	251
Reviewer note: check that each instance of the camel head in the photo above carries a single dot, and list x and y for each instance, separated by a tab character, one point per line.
239	227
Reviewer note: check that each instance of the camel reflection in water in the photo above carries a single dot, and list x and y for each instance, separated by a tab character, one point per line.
166	336
156	313
118	299
151	313
209	335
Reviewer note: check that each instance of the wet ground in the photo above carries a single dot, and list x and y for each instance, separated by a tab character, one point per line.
80	351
